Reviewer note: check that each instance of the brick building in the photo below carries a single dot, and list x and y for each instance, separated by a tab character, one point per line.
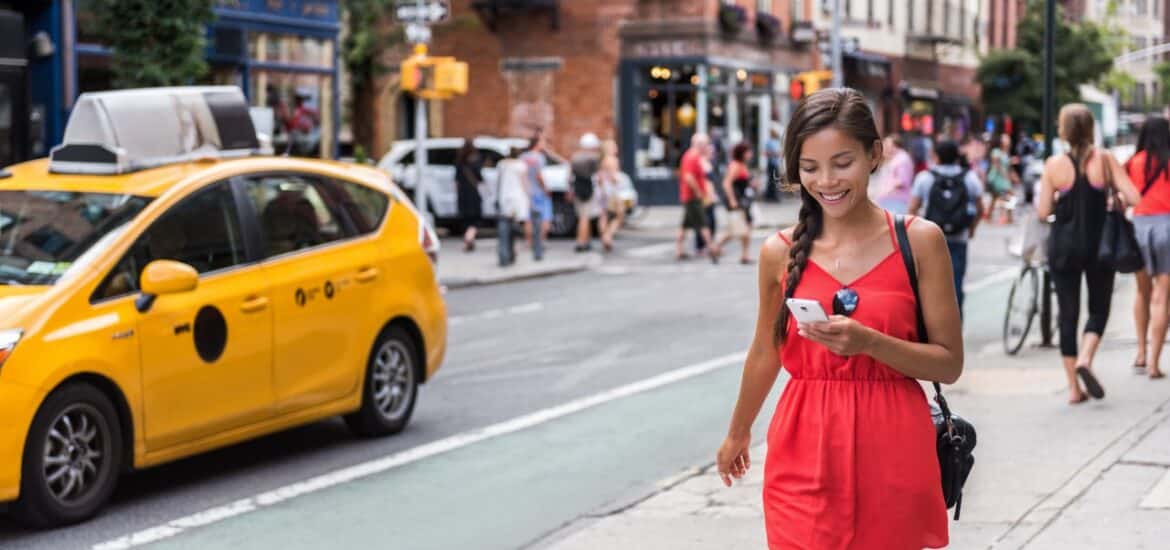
651	73
646	73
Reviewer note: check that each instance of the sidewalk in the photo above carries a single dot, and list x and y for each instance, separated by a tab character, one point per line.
772	215
1047	475
458	269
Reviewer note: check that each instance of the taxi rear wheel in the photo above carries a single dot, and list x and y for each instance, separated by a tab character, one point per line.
391	386
71	458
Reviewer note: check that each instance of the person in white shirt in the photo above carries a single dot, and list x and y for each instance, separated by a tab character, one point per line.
512	204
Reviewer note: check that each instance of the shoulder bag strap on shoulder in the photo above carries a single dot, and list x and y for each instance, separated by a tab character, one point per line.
908	260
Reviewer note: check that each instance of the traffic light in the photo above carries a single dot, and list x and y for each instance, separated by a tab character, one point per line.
809	82
434	77
450	76
416	74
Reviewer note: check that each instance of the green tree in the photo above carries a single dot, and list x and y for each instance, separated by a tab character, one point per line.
1162	70
368	34
155	42
1012	81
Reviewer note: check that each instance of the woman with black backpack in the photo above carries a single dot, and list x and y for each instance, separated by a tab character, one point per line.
1076	188
1149	168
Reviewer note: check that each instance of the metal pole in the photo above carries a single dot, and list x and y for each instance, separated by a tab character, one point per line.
421	185
1049	107
835	45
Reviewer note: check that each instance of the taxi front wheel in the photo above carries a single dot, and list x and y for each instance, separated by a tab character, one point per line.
71	458
390	388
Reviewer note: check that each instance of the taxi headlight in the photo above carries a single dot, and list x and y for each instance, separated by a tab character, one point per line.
8	340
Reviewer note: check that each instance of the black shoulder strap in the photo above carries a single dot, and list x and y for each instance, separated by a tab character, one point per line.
912	271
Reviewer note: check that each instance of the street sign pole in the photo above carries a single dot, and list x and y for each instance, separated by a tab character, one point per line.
421	185
835	44
1048	107
1049	113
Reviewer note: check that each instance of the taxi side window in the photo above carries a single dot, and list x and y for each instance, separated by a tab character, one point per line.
365	206
202	231
293	212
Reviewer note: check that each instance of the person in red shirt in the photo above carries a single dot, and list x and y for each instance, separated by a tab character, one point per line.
692	188
1149	170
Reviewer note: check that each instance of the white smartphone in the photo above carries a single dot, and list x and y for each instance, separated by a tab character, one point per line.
807	311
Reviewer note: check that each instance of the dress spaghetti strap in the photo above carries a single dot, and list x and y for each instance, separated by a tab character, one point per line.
784	237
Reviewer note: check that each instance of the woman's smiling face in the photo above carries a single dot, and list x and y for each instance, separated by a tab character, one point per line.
835	169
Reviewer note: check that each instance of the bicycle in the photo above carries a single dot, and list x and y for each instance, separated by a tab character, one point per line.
1031	293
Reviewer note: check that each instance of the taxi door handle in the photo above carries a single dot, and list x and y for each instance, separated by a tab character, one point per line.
367	274
252	304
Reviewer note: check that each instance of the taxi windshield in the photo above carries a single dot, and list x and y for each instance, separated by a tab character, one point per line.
42	233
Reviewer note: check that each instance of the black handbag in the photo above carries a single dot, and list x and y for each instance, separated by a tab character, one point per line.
955	436
1118	249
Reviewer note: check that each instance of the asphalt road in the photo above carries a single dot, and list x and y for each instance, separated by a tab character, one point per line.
592	387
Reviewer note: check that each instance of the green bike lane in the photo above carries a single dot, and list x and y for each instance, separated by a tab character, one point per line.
507	491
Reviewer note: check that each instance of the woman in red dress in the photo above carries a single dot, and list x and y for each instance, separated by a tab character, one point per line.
851	448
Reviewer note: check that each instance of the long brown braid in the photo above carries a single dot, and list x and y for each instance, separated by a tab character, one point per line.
842	108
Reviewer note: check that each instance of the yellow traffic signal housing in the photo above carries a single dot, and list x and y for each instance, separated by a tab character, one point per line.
812	81
434	77
451	77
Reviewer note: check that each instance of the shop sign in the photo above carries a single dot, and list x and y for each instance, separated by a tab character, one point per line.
667	48
322	10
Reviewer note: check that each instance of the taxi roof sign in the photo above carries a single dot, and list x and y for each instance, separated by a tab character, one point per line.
127	130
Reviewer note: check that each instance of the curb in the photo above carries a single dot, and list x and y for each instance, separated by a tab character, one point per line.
454	283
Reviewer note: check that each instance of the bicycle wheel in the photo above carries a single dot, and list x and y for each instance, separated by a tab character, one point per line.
1021	309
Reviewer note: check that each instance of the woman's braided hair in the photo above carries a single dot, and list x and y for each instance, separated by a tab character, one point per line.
846	110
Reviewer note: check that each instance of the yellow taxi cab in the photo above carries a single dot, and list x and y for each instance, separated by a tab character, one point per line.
164	291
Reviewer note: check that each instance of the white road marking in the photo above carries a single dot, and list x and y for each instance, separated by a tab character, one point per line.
521	309
991	280
1159	496
457	441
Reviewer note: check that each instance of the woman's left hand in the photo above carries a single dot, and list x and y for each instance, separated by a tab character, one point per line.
842	335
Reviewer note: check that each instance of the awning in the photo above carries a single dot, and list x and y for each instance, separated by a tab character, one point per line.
867	57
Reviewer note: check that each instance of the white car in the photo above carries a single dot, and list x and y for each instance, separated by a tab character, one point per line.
440	172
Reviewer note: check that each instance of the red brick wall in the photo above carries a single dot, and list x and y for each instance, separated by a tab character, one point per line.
568	101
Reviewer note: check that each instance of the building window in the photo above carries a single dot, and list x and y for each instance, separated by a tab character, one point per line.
869	15
910	16
764	6
962	23
796	10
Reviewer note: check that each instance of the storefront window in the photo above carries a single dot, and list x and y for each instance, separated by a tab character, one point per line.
301	108
667	114
290	50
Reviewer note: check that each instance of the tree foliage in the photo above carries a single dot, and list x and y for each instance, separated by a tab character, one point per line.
155	42
1012	80
1162	71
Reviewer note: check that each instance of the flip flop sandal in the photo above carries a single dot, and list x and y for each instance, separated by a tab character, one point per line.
1139	368
1157	375
1078	400
1092	386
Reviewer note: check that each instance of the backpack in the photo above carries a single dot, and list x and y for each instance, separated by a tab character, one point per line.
583	170
949	203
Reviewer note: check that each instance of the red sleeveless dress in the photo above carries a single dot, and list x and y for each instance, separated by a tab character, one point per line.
851	461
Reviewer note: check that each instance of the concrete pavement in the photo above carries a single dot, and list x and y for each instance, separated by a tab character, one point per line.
458	269
1047	475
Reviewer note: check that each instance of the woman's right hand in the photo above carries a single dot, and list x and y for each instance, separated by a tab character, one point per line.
732	460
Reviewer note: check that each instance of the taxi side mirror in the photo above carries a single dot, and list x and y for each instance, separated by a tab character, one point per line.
165	277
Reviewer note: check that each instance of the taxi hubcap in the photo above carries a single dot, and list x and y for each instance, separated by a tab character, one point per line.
393	380
74	453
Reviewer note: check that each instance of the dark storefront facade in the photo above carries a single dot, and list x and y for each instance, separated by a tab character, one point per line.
676	80
282	53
